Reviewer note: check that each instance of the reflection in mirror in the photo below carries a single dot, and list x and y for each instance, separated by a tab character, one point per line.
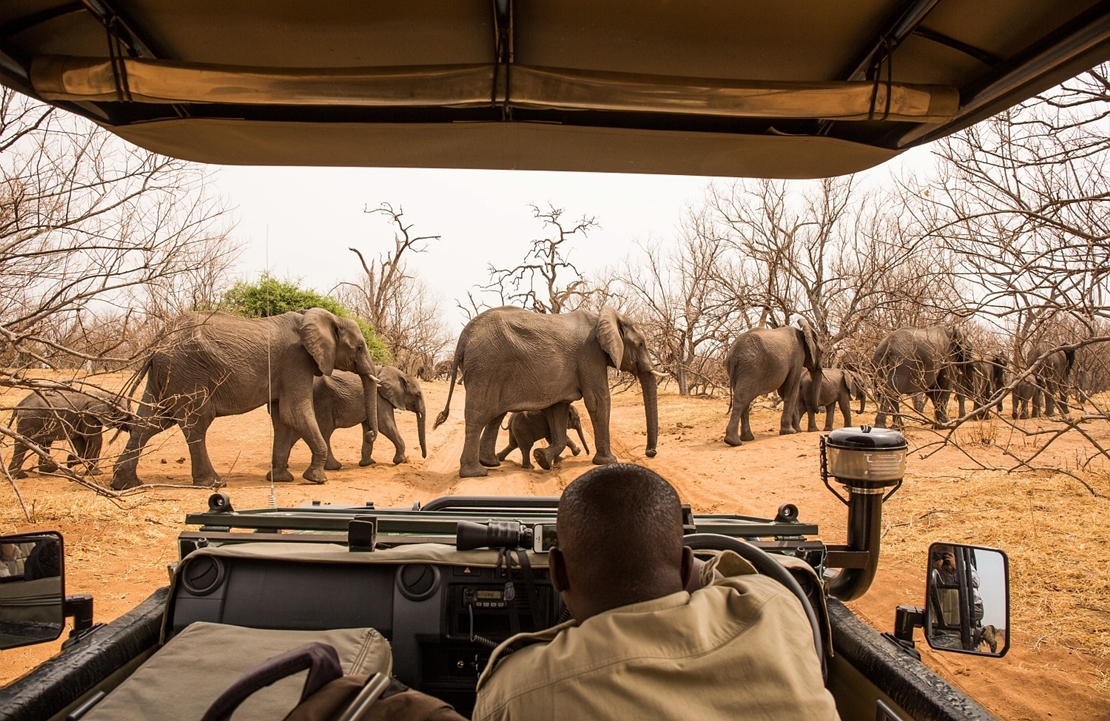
967	603
32	589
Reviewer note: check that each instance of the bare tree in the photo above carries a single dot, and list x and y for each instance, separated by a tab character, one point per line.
398	304
100	243
681	295
546	281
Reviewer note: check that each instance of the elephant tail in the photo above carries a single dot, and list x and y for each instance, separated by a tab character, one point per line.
442	417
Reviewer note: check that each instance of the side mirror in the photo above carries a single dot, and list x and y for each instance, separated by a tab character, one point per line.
32	589
967	601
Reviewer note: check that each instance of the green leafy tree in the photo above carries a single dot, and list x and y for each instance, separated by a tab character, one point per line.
269	296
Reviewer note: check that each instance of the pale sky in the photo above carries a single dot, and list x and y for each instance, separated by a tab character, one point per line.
310	217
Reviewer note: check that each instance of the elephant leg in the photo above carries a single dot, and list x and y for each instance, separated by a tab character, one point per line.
557	417
387	426
93	443
76	457
295	410
509	448
739	429
16	463
526	451
574	449
790	393
125	473
327	428
845	411
285	438
597	406
940	398
196	436
367	446
830	409
469	467
487	451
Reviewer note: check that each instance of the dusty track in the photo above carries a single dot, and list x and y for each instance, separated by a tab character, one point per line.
119	553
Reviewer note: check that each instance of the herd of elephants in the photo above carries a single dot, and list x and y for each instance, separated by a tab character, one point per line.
315	373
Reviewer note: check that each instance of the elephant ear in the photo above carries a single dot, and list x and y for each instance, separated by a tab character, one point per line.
609	335
812	345
318	336
392	387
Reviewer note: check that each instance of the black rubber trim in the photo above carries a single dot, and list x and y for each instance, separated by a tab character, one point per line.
66	677
923	694
458	503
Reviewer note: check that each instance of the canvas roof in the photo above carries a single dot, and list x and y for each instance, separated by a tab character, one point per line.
797	88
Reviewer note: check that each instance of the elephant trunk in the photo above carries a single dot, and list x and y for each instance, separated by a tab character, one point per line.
370	399
649	386
815	380
420	426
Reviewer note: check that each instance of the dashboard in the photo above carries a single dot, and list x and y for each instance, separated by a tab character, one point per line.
441	619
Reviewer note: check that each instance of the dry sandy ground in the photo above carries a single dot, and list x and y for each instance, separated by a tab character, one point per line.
1052	527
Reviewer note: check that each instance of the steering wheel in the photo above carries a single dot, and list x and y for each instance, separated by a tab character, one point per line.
768	567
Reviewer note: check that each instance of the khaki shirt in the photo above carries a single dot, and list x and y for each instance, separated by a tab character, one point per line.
740	648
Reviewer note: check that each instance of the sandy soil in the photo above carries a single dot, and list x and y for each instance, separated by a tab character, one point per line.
1052	527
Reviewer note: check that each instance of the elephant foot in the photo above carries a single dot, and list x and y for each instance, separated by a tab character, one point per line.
748	436
314	474
575	451
475	471
811	429
600	460
541	459
651	452
364	462
489	462
787	431
526	464
402	458
209	482
733	440
122	483
331	465
279	475
19	474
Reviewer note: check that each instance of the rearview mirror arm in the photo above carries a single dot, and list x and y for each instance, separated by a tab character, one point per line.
80	607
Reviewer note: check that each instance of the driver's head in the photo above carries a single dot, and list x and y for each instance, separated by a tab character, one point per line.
620	540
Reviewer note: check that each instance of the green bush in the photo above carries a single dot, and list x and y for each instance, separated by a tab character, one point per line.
270	296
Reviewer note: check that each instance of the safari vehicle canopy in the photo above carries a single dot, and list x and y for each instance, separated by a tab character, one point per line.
799	88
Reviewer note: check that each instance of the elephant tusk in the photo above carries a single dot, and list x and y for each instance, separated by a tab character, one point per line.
659	375
374	378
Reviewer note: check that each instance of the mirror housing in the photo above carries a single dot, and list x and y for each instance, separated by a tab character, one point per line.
32	588
967	600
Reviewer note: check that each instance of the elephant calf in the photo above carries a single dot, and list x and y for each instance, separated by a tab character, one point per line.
338	403
64	415
527	427
837	388
1026	394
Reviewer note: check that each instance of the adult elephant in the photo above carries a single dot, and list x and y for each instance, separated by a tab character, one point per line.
763	360
338	403
76	416
217	365
1053	376
909	361
517	360
983	378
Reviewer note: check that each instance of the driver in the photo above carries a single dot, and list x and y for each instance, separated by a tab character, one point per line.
640	645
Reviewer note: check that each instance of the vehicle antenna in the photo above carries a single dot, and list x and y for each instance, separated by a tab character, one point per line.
269	381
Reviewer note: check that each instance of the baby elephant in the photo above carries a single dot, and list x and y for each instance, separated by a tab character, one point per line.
837	388
1026	394
338	403
527	427
47	416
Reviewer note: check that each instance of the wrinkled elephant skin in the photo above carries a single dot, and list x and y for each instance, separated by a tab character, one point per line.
212	365
517	360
